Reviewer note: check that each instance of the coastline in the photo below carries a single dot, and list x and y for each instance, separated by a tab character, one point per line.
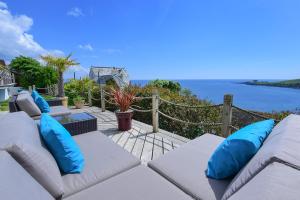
293	84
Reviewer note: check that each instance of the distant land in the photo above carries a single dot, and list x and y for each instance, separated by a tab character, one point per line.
295	83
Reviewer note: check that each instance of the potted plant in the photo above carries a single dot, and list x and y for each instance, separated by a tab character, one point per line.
61	64
124	99
78	102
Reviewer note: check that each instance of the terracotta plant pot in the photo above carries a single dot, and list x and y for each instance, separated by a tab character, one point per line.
124	120
79	104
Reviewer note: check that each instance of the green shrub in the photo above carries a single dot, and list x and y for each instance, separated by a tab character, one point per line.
79	88
192	114
170	85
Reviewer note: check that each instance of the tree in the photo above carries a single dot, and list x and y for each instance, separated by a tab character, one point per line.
29	71
61	64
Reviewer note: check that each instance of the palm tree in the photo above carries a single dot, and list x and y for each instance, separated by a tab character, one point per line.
61	64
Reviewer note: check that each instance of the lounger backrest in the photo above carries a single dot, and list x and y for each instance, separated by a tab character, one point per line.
282	145
12	104
16	183
276	181
21	138
26	104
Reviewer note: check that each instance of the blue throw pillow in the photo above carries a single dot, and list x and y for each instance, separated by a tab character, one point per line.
34	94
236	150
40	102
61	145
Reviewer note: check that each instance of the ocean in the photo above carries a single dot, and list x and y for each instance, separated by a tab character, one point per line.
258	98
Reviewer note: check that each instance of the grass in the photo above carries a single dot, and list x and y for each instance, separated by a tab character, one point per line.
47	97
4	105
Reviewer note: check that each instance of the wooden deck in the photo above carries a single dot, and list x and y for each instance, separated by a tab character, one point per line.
140	140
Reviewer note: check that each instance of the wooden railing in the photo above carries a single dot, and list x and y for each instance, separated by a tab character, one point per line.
226	119
51	90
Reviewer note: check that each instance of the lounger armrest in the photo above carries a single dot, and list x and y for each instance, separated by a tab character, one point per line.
55	102
12	105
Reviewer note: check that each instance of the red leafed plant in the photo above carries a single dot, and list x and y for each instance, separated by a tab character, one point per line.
123	98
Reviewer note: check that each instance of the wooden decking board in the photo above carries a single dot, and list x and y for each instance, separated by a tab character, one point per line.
140	141
153	147
163	146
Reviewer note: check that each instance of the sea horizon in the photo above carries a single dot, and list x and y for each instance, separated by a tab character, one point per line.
257	98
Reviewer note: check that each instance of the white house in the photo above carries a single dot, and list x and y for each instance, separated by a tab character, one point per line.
103	74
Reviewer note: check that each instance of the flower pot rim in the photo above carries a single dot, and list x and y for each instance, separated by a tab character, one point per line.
128	111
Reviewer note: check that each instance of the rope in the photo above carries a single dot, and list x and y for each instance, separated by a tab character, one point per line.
110	102
191	123
233	127
141	98
253	113
107	93
188	106
95	99
138	110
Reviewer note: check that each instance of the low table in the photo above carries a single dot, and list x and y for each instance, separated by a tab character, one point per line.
78	123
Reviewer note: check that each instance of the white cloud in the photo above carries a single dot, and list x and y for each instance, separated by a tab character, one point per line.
86	47
112	51
75	12
3	5
14	37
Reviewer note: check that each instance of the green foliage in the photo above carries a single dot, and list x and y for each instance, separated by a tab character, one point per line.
29	71
4	105
47	76
61	64
170	85
79	88
78	99
191	114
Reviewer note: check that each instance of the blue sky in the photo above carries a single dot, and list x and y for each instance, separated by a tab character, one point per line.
169	39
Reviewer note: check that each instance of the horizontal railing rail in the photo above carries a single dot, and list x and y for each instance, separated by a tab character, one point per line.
226	107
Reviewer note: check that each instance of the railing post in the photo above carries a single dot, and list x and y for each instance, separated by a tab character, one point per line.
47	89
90	96
55	90
227	115
13	78
30	88
33	87
155	106
102	97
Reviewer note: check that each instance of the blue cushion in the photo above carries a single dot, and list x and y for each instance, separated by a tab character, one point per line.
236	150
34	94
40	102
61	144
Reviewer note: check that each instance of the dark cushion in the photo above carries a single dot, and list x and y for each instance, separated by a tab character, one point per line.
16	183
282	145
103	159
139	183
186	165
277	181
